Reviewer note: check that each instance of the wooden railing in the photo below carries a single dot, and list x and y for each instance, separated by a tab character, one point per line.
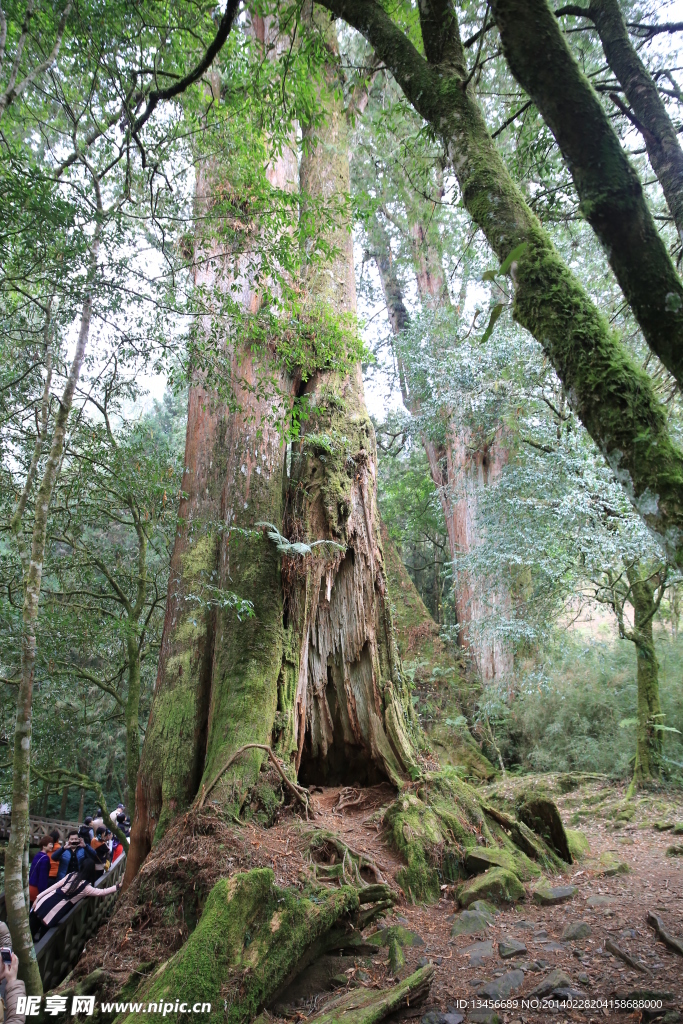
59	949
39	826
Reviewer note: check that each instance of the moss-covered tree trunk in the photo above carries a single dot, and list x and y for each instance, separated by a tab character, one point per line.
649	738
234	459
648	111
314	671
349	708
611	196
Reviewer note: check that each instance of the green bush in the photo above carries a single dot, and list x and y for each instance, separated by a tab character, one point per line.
566	717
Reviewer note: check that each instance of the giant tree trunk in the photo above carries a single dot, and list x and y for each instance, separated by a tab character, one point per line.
349	707
234	459
318	652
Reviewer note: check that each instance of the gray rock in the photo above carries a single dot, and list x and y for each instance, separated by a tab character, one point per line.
527	926
556	979
583	979
436	1017
503	986
483	1017
471	922
541	934
553	947
576	930
507	948
550	895
599	901
478	952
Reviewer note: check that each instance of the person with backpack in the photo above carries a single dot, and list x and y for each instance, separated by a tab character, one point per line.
73	855
54	904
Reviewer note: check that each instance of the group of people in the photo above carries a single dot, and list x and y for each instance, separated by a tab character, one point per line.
62	874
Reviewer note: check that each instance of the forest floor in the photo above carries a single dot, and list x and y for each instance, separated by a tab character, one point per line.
614	906
633	838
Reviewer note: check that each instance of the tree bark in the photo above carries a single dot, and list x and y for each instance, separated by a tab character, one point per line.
610	193
349	706
649	739
648	112
234	459
613	397
15	890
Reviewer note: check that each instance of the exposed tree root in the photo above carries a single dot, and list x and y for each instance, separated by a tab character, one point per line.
251	941
667	938
299	792
366	1006
331	858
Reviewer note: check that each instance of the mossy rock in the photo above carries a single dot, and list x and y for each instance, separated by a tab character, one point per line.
610	865
496	884
675	851
541	815
579	847
250	939
471	922
481	858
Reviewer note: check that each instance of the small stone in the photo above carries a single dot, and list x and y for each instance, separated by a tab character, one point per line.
471	922
541	934
483	1017
675	851
478	951
452	1017
422	962
576	930
583	979
599	901
548	895
556	979
553	947
503	986
508	948
527	926
678	829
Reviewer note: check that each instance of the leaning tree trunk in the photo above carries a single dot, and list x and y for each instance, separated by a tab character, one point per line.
649	739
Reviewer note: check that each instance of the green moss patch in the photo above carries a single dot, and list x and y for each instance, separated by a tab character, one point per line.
579	847
496	884
249	939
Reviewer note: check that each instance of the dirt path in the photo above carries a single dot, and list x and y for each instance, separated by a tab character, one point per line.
614	907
